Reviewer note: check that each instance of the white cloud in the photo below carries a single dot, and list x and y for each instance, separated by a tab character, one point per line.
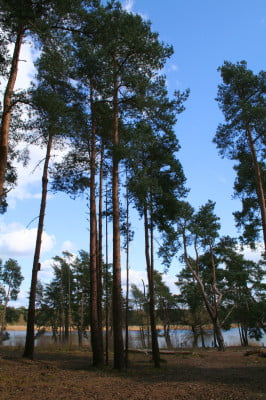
253	255
138	277
30	177
26	69
170	280
27	177
128	5
46	273
135	277
68	246
15	240
22	299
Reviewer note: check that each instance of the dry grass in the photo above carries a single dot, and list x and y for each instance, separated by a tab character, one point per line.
202	375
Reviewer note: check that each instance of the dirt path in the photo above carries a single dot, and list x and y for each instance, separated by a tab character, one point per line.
203	375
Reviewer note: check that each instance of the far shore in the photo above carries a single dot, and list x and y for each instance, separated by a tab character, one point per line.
131	328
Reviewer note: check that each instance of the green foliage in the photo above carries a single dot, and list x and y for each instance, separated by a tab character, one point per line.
242	137
64	302
10	279
245	189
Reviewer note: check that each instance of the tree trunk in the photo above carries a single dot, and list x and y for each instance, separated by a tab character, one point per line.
150	267
7	108
212	309
202	337
127	272
218	334
81	330
243	334
29	344
195	335
259	185
117	290
106	285
96	335
3	322
100	253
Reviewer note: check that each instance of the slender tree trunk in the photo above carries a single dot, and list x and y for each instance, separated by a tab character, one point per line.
7	108
3	322
218	333
195	335
202	336
127	271
150	267
96	336
106	286
259	185
119	361
100	253
62	313
100	246
212	309
81	318
29	344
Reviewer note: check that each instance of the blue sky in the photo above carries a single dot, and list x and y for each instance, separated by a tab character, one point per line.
204	34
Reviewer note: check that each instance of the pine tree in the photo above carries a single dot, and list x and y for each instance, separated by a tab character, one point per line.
241	97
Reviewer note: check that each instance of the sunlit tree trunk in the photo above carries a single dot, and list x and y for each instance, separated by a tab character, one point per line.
100	251
150	269
96	334
127	277
29	344
259	185
106	285
7	108
212	309
117	291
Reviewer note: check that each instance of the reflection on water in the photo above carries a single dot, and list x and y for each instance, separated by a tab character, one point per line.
180	338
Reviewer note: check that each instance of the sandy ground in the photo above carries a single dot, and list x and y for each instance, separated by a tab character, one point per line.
68	375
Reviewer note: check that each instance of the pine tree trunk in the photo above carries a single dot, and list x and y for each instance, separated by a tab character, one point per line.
117	290
3	322
259	185
218	334
212	309
149	264
127	271
29	344
106	286
100	255
7	108
202	337
96	336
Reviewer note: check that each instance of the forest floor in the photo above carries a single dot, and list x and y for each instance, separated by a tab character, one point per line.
199	375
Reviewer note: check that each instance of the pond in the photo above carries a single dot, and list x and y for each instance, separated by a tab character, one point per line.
180	338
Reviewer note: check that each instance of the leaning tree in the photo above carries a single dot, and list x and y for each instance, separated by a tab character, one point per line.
242	137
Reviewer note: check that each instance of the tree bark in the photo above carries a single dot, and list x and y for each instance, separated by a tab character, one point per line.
3	322
96	333
106	285
259	185
127	271
150	267
29	344
212	309
119	361
100	254
7	108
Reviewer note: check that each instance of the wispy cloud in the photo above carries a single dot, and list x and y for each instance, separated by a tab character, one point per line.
68	246
128	5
